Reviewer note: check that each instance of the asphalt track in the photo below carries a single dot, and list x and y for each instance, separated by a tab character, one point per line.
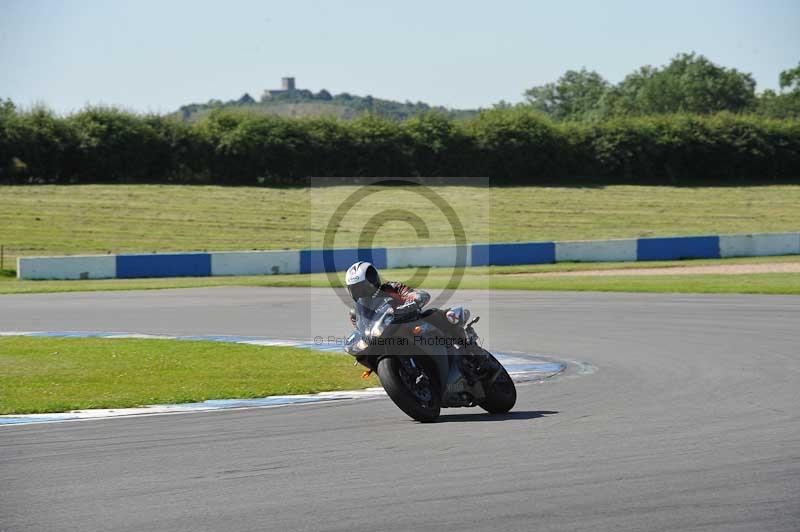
690	422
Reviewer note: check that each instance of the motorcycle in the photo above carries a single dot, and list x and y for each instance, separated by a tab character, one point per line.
422	367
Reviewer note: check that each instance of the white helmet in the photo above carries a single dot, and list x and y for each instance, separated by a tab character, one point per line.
362	280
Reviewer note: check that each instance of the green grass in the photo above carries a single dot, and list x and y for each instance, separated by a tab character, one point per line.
60	374
52	220
756	283
81	219
494	277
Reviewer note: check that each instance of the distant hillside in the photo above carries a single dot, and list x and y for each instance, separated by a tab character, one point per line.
292	102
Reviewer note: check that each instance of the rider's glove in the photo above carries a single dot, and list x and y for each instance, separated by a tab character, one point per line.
406	310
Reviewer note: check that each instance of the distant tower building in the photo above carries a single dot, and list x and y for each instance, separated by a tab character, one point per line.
287	85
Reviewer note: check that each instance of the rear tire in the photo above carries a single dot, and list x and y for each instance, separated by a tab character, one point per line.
501	396
411	399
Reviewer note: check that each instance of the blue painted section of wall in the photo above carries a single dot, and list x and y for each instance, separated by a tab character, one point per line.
337	260
679	247
164	265
508	254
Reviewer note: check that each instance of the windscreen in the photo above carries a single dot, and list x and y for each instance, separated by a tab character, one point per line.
371	310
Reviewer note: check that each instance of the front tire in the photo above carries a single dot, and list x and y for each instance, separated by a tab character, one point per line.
399	378
501	395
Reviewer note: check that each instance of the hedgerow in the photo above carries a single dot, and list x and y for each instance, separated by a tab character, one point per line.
512	145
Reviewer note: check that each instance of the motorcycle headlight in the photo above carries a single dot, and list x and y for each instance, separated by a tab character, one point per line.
354	344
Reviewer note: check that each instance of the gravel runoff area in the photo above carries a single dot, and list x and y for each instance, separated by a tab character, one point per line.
725	269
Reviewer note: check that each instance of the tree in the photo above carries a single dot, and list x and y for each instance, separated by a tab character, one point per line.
502	104
575	96
324	95
787	103
7	107
790	79
688	84
246	99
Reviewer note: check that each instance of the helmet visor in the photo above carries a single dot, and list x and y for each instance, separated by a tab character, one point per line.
361	289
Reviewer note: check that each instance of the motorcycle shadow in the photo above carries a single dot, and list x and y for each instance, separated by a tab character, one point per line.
513	415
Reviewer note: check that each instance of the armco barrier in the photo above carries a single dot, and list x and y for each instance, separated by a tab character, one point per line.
678	248
164	265
315	261
596	251
509	254
759	245
254	262
336	260
444	256
76	267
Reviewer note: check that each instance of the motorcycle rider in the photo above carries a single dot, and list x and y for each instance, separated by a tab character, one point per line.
364	284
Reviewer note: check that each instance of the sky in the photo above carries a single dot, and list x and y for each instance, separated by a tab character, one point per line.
154	56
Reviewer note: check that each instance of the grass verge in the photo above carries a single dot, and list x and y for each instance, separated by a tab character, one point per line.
494	277
756	283
59	374
88	219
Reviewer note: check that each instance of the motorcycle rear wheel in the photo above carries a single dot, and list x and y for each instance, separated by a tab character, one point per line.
420	402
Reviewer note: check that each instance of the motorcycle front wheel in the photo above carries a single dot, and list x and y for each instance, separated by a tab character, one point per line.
410	386
501	394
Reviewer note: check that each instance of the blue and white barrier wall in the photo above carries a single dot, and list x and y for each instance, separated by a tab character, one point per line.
159	265
316	261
